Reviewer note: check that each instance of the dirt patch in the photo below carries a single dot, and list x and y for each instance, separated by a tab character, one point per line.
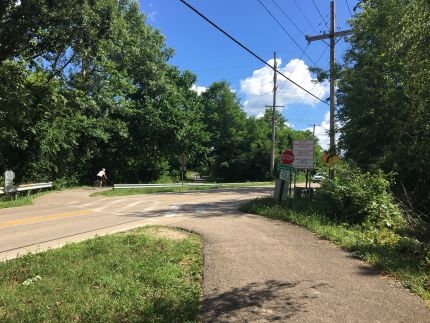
168	233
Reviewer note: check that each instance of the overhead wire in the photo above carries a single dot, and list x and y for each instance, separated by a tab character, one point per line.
304	16
319	12
285	30
349	8
288	17
249	51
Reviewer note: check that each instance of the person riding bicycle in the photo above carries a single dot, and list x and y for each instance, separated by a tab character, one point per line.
101	176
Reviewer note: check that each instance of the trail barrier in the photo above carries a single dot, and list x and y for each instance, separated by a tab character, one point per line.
119	186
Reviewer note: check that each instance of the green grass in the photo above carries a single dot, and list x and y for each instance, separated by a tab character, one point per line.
394	254
150	190
137	276
20	201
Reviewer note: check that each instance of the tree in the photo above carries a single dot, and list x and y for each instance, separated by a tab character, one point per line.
86	84
384	94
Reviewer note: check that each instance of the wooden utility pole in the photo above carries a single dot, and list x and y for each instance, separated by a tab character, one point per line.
332	36
274	106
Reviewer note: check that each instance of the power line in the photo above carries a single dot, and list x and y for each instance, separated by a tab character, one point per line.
285	14
294	68
316	7
349	8
319	58
304	16
248	50
289	35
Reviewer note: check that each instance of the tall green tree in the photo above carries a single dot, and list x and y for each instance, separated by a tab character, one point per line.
384	94
87	84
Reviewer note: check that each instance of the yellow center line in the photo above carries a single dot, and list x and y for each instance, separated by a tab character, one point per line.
45	218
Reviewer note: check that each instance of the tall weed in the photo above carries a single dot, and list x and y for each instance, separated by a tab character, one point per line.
359	197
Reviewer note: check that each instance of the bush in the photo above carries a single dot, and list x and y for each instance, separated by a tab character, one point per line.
360	198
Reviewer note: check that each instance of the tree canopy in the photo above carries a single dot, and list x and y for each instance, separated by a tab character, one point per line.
384	94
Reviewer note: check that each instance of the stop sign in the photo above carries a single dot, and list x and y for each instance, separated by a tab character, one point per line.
287	157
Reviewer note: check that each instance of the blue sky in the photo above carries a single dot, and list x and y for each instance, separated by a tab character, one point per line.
202	49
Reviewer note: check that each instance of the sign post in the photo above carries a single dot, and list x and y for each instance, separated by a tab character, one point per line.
285	168
183	161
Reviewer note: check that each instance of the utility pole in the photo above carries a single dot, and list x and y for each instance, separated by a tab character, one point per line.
313	131
274	106
332	36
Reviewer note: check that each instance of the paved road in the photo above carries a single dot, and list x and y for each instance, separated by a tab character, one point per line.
256	270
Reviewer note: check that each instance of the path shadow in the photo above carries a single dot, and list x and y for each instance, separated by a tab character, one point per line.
271	300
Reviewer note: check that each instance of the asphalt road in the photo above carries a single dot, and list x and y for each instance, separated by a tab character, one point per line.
256	270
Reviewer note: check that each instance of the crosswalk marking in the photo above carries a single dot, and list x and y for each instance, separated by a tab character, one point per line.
130	205
173	211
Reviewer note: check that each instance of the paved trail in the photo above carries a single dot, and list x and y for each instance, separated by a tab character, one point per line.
256	270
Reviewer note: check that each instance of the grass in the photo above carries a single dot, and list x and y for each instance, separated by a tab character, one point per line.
394	254
149	190
137	276
20	201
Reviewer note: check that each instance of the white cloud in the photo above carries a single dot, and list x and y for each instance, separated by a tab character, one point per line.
151	15
258	88
322	131
198	89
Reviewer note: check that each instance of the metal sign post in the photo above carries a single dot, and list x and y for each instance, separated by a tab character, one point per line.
183	161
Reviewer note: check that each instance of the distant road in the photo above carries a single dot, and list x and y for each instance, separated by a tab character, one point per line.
73	215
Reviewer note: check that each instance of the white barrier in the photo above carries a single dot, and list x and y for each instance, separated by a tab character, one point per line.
1	191
160	185
28	187
115	186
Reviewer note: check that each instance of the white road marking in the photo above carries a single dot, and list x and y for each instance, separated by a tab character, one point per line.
173	211
200	209
108	205
130	205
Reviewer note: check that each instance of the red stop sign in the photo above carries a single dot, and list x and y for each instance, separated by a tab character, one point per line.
287	157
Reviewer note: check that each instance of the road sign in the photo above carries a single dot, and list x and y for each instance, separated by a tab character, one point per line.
9	176
303	154
330	159
183	159
287	157
284	174
286	167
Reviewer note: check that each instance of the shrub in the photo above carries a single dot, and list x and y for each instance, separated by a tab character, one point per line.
360	198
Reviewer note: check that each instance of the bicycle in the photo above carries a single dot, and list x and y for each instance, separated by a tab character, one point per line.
100	182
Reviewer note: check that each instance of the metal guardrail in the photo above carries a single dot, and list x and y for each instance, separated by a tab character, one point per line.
115	186
1	191
28	187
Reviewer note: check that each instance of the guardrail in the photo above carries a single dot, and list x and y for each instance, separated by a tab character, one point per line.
1	191
27	187
115	186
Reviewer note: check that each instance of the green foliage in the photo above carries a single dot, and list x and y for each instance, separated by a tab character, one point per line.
136	276
87	84
360	197
241	146
384	95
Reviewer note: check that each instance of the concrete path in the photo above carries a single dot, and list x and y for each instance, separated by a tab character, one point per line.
256	269
261	270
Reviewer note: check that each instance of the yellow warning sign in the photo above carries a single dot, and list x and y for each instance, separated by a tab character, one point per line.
330	159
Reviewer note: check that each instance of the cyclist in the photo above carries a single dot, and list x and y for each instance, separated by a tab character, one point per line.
101	176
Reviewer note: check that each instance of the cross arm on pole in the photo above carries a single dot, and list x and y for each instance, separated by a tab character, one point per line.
327	36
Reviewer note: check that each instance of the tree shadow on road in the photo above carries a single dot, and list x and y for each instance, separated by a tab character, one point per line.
271	300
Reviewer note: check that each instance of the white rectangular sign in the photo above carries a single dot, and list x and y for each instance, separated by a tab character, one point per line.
303	154
284	175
